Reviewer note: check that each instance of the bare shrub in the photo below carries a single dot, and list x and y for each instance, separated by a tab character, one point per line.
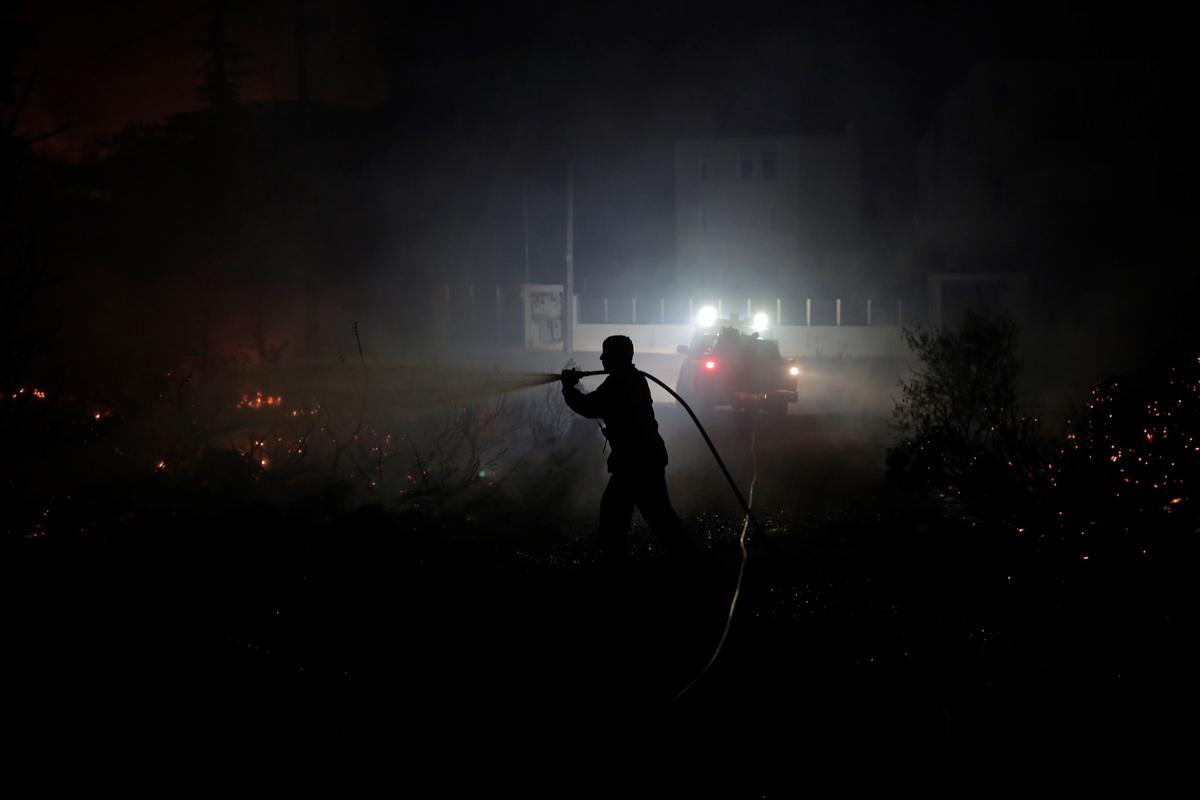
963	433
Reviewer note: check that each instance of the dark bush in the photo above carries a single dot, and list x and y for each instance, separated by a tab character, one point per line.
963	434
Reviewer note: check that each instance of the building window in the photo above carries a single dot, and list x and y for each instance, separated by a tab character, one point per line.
746	166
770	166
703	168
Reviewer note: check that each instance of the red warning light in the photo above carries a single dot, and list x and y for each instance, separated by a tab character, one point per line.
710	364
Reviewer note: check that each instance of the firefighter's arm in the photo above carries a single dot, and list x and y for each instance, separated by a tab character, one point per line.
589	405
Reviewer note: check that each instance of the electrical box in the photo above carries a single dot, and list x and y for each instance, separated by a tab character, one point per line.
543	315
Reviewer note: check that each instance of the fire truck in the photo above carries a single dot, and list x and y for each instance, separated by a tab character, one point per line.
727	365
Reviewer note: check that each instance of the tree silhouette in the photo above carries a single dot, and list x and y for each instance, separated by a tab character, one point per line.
222	70
963	432
23	266
15	36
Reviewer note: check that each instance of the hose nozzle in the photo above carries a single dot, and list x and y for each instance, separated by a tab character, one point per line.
572	376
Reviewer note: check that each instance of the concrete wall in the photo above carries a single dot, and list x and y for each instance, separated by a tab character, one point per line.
795	341
846	341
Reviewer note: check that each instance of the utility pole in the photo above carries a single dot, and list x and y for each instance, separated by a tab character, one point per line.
569	294
525	224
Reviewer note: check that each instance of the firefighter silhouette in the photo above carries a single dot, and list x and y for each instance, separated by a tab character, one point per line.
638	459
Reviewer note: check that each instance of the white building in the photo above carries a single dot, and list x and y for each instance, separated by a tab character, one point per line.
765	212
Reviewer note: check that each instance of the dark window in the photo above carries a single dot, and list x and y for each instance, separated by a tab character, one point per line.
770	166
746	167
999	101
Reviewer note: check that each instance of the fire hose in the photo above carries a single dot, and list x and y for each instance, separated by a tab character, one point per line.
743	539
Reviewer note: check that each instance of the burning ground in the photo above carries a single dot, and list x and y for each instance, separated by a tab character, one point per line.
317	555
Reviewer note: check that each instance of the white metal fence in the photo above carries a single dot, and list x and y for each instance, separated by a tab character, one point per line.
836	311
805	326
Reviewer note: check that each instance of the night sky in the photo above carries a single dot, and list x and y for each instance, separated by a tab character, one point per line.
796	67
504	96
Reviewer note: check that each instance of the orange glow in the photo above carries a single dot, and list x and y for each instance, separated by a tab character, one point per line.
259	400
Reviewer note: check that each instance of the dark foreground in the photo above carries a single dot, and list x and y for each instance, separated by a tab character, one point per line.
261	629
441	636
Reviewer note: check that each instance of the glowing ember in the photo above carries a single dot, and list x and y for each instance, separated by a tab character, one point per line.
260	400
